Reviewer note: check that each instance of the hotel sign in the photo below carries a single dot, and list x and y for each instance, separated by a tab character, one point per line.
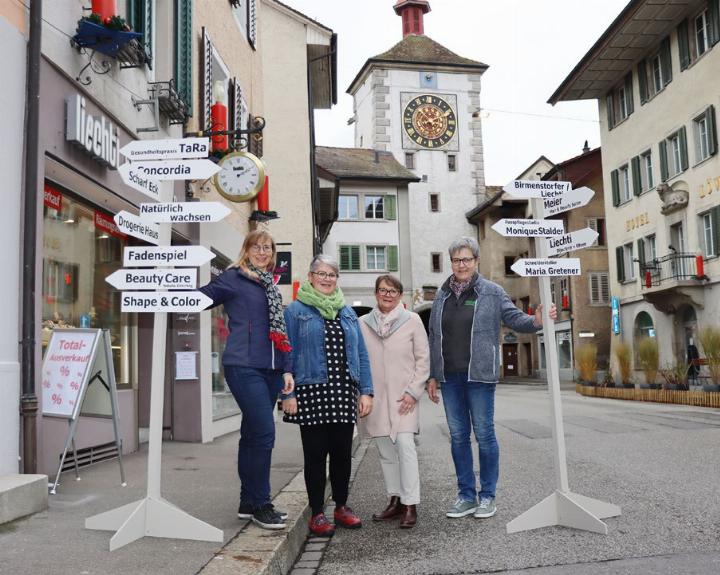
95	135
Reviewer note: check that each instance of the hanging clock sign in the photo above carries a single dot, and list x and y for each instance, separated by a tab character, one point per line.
241	177
429	121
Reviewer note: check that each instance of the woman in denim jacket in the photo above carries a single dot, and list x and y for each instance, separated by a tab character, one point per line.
331	369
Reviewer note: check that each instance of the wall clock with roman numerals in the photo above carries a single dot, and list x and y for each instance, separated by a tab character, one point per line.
429	121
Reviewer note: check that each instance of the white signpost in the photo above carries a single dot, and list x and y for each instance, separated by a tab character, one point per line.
529	228
546	267
176	169
531	189
132	225
174	149
149	257
186	212
139	181
568	201
562	507
173	301
154	279
583	238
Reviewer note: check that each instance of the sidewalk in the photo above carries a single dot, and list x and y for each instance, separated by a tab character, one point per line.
201	479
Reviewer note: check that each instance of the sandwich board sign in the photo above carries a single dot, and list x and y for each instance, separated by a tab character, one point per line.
78	378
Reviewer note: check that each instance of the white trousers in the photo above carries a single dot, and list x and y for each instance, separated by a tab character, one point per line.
400	467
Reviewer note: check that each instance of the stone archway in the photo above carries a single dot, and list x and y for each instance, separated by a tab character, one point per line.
643	327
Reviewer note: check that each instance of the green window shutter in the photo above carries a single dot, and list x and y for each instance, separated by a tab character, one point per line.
183	52
663	161
349	258
642	81
610	110
390	206
629	98
715	220
714	21
641	255
252	23
619	260
615	181
355	257
712	128
636	178
683	149
392	258
140	19
666	61
683	44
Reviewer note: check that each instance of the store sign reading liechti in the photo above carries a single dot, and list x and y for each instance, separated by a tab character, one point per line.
98	136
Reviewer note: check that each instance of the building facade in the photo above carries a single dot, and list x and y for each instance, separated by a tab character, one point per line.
653	73
421	102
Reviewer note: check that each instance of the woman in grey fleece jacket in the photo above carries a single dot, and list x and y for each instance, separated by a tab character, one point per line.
464	356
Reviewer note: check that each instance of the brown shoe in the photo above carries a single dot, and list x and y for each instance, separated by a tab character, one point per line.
393	510
409	517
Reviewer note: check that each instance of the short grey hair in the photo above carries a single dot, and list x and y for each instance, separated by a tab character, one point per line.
324	259
465	242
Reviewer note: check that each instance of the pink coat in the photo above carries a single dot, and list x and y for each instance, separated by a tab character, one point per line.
399	363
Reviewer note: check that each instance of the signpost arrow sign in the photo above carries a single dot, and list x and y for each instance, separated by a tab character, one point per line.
567	201
572	241
528	189
547	267
184	212
178	278
177	169
149	257
139	181
168	301
166	149
132	225
529	228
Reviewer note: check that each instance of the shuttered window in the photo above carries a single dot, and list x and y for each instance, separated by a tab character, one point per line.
392	258
140	18
390	208
350	258
620	263
599	288
206	85
183	52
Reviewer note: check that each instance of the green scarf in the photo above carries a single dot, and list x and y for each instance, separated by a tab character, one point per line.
327	305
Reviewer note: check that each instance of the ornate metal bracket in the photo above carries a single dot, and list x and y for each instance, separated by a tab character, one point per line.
238	141
100	68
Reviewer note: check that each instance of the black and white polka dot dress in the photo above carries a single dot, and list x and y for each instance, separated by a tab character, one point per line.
336	400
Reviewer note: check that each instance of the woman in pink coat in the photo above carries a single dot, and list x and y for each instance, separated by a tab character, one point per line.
400	365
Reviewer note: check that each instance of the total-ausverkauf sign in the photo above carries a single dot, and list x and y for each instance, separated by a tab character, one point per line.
170	301
149	257
171	149
577	240
139	181
184	212
132	225
529	189
547	267
177	278
529	228
177	169
568	201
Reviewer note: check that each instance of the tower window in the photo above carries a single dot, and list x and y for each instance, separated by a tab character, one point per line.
452	163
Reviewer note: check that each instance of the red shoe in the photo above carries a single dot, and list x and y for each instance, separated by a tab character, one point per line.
345	517
320	526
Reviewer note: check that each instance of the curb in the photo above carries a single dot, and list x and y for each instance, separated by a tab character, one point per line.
256	551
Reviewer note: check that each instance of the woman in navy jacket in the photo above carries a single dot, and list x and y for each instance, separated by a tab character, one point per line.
334	385
257	367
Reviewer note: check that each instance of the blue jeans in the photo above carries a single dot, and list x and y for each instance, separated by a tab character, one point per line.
256	392
472	404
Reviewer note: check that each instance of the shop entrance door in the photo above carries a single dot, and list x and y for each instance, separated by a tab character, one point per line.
510	357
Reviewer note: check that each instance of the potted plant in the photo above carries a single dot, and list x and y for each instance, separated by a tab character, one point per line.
675	376
623	355
586	361
710	342
649	359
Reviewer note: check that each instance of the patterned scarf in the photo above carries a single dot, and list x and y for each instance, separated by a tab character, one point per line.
459	287
278	332
327	305
385	322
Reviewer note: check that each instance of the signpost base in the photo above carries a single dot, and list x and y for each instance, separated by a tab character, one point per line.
566	509
151	517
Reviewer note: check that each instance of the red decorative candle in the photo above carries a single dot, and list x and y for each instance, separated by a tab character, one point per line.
218	114
700	266
263	198
565	301
105	8
648	279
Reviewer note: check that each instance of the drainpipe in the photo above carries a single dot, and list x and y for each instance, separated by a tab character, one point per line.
28	400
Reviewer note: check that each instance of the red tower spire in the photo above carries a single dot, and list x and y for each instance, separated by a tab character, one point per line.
412	12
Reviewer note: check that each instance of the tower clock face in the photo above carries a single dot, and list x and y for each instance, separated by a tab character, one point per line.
429	121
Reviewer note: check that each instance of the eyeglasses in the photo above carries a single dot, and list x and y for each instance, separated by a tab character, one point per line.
390	292
325	275
463	261
257	248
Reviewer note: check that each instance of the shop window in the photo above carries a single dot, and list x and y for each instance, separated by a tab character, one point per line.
81	247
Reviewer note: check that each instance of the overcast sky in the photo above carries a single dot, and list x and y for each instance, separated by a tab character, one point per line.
530	46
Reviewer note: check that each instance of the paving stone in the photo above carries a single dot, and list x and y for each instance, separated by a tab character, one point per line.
311	556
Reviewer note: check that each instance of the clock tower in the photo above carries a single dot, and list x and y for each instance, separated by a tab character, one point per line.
421	102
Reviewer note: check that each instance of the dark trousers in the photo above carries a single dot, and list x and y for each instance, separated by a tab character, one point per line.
255	391
319	441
